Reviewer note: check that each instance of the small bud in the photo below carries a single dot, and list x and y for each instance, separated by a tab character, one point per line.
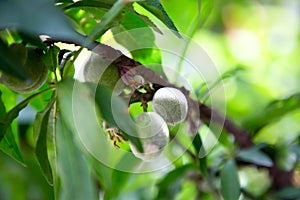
153	133
170	104
139	79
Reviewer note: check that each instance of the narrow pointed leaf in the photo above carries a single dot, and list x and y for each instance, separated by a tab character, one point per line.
8	144
89	3
253	155
8	118
230	185
40	130
52	150
51	58
135	35
156	8
106	20
76	180
198	145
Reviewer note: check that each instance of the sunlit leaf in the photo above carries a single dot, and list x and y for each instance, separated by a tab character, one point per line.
206	7
134	34
134	41
230	185
76	180
149	22
106	20
156	8
91	16
40	130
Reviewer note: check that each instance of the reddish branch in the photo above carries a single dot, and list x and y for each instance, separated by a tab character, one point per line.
208	115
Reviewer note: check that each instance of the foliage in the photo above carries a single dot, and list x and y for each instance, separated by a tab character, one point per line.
76	133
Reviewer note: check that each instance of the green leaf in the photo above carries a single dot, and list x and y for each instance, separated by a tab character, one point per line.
32	17
68	64
65	98
137	39
51	58
103	174
75	177
230	185
90	14
274	111
206	7
148	21
204	95
288	193
255	156
8	118
89	3
171	184
156	8
115	112
52	150
198	145
110	77
106	20
40	131
135	35
8	144
119	179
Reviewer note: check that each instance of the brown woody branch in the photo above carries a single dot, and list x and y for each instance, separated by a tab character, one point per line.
208	115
